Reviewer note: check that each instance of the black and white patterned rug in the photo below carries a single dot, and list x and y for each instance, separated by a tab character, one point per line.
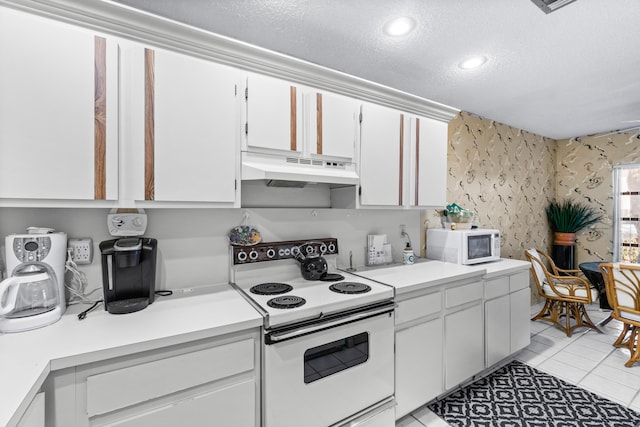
519	395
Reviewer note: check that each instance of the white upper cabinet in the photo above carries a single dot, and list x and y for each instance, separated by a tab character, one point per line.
185	128
382	139
332	124
427	174
403	159
273	109
283	117
58	110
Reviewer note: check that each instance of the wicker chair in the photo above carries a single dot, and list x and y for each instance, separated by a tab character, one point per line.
623	292
564	292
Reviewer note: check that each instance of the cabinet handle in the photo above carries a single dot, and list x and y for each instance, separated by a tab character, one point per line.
294	115
149	132
401	162
319	122
100	119
417	160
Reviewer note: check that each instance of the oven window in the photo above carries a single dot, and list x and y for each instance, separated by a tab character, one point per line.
479	246
336	356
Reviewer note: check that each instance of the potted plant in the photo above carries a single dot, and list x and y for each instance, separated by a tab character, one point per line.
565	220
570	217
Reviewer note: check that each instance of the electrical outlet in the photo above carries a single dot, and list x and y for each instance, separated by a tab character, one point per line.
81	250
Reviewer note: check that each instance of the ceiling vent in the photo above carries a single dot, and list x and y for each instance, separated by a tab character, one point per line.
549	6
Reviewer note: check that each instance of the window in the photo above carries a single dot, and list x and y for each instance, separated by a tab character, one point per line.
626	237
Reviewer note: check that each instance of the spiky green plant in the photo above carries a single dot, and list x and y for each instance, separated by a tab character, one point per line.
571	217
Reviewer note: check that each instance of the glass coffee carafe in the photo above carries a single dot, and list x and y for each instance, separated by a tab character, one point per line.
31	290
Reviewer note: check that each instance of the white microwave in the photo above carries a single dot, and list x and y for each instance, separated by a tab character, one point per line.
463	246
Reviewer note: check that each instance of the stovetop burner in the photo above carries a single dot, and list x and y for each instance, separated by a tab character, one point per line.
350	288
286	301
271	288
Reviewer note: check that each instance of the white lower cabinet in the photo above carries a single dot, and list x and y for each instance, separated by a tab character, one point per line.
34	415
498	343
463	333
464	344
207	382
507	309
418	365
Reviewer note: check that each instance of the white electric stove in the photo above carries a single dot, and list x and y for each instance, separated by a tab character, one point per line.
285	298
328	356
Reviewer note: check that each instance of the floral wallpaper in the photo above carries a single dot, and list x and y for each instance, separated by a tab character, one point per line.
585	173
506	175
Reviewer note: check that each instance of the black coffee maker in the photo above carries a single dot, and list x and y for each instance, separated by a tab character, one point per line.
128	273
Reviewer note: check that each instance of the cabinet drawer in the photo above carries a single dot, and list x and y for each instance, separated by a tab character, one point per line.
230	406
519	281
496	287
135	384
463	294
418	307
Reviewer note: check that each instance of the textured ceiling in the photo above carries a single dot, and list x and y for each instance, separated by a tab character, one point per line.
573	72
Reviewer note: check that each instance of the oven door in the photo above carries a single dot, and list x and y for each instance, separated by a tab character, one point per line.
321	377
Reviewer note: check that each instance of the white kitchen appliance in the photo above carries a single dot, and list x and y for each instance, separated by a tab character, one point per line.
33	294
327	344
463	246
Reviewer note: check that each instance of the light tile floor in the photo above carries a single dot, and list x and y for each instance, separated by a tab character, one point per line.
587	359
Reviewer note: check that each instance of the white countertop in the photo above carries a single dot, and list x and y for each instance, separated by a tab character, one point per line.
26	358
406	278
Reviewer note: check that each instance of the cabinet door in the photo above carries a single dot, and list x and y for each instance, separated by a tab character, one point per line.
190	125
230	406
428	166
520	322
332	125
272	110
34	415
418	365
381	156
464	345
58	110
497	315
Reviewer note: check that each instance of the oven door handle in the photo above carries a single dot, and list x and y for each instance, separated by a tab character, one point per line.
275	337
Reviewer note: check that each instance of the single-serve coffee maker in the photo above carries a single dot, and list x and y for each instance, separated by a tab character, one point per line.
128	267
33	294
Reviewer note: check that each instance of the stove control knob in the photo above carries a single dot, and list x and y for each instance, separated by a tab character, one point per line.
253	255
242	256
332	248
271	253
323	248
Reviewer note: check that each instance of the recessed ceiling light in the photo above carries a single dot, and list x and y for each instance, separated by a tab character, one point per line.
473	62
399	26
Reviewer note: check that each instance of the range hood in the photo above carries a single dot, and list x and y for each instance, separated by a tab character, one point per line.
293	171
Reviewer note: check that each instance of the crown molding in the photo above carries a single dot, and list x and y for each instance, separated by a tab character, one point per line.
125	22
